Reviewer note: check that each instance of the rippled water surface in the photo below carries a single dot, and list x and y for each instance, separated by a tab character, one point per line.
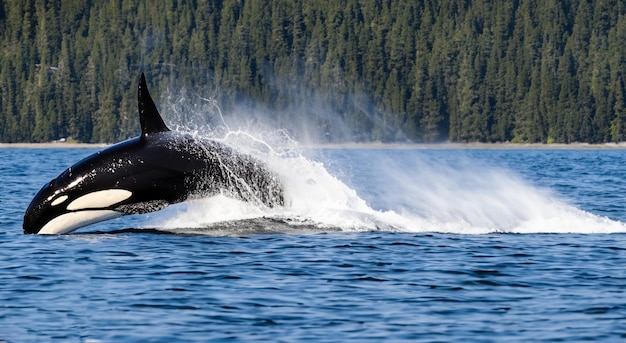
373	245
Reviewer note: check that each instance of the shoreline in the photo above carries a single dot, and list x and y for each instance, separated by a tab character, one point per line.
52	145
417	146
468	146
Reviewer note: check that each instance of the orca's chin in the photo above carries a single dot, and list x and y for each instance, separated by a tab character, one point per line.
71	221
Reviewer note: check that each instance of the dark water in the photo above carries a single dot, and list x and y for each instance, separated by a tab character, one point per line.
421	245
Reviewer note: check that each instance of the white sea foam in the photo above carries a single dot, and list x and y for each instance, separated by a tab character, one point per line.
418	194
414	195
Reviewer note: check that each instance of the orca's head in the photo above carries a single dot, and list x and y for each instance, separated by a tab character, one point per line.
107	184
76	198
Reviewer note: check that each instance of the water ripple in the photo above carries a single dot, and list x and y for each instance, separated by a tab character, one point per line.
112	285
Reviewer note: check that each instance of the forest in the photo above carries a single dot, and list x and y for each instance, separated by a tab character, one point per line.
550	71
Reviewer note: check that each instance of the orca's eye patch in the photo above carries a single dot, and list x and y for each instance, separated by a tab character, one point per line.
59	200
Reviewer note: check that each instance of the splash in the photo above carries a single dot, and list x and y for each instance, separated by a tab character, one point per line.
455	194
313	197
404	191
368	190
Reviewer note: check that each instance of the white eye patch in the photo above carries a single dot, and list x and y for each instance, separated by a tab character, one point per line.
99	199
59	200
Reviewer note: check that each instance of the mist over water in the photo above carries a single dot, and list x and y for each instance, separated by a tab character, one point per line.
403	190
446	191
406	190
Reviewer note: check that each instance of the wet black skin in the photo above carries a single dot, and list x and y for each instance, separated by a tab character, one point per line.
160	167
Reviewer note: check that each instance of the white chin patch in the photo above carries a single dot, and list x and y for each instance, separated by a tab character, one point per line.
69	222
99	199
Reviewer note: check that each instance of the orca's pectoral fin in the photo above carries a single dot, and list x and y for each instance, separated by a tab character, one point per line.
149	117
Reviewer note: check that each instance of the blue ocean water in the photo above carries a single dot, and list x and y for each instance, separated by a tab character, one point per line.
374	245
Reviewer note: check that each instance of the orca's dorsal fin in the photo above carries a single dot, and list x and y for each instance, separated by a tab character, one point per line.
149	117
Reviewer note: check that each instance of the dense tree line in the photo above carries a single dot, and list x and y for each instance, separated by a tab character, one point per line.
420	70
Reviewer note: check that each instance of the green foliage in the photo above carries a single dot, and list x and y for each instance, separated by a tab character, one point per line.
428	70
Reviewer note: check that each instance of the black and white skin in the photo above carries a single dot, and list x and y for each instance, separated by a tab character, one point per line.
146	174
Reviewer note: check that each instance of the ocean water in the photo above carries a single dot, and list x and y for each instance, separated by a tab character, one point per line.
373	245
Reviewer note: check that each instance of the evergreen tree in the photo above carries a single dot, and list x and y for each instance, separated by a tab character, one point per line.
428	70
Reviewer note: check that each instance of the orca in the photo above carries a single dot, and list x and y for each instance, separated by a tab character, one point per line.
147	173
